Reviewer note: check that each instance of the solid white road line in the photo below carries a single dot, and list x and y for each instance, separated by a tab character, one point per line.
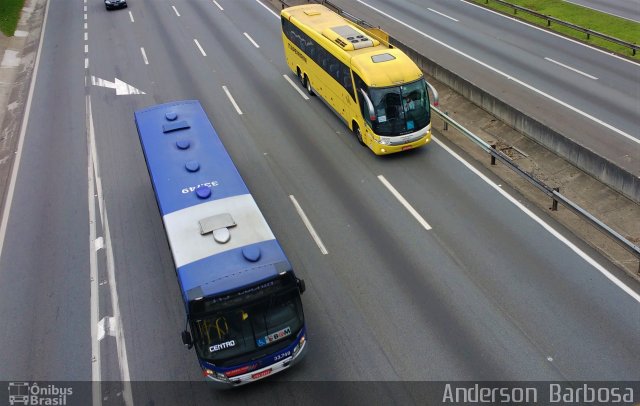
255	44
199	47
268	9
113	289
442	14
572	69
404	202
309	226
94	305
176	10
509	77
144	56
235	105
541	222
295	87
131	17
23	131
218	5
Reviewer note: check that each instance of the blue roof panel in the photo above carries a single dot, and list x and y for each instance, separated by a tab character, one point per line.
176	138
230	270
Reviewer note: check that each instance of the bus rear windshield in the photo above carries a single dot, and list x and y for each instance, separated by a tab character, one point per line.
400	110
248	331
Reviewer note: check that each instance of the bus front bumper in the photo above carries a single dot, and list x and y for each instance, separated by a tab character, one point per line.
256	375
381	148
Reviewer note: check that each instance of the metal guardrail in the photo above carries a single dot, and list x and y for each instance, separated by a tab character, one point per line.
550	19
553	193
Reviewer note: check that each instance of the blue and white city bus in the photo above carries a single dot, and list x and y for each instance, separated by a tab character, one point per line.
242	298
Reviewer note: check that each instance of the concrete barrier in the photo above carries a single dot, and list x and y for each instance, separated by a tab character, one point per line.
589	161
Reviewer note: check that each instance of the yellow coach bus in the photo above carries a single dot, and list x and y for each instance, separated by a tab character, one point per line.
379	92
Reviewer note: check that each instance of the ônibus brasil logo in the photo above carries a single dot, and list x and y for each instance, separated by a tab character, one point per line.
32	394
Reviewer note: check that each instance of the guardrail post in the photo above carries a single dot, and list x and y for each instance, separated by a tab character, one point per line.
548	23
588	35
446	124
554	205
493	157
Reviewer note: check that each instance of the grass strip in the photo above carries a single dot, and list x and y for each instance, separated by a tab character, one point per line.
9	16
603	23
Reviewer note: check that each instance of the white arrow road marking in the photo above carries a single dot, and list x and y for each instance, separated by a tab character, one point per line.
121	87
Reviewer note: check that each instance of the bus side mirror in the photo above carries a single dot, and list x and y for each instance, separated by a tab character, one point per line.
301	286
372	113
436	100
187	340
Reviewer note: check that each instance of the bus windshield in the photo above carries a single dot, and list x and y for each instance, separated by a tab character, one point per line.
247	331
400	110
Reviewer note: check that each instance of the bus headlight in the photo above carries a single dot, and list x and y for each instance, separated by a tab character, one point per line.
385	141
299	345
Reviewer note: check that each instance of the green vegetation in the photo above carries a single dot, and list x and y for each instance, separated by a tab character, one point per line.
607	24
9	15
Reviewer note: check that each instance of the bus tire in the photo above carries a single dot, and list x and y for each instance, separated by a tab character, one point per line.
299	73
358	133
307	84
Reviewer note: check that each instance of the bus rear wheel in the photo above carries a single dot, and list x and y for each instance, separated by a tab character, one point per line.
307	83
358	133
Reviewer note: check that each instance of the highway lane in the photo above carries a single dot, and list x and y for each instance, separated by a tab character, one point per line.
331	185
586	94
486	294
628	9
44	268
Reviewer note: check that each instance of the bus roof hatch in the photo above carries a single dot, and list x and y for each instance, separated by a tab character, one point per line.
349	38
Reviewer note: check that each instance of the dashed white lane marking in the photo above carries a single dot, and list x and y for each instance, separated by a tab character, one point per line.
199	47
571	69
218	5
176	10
255	44
235	105
295	87
144	56
442	14
131	17
405	203
309	226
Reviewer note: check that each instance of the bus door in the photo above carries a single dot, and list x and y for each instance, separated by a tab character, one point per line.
362	106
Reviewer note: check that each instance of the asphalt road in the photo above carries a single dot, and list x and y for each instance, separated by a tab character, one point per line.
629	9
494	291
583	93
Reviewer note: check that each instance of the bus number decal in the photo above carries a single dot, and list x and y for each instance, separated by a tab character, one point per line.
192	189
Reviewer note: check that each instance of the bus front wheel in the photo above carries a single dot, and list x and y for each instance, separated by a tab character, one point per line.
307	84
358	133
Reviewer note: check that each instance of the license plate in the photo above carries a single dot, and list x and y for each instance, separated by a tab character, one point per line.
407	147
261	374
